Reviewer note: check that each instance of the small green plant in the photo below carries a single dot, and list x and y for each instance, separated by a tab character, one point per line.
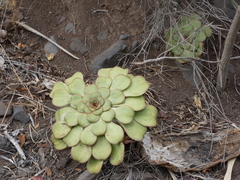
187	37
93	118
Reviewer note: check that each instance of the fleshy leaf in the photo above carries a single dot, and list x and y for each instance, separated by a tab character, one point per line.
61	113
104	82
71	118
117	154
116	96
135	130
73	137
81	153
61	98
114	133
60	129
104	72
116	71
77	86
138	87
90	89
107	105
105	92
59	85
108	116
76	75
87	136
136	103
120	82
80	106
94	166
58	143
74	100
82	120
147	116
102	149
201	36
92	118
124	114
99	128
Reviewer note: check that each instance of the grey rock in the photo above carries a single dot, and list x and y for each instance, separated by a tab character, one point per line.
103	35
50	47
4	109
63	18
2	171
110	57
124	36
20	114
134	46
69	27
63	162
5	144
77	46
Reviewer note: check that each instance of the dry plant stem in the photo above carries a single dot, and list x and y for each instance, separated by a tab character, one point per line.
45	37
15	143
230	165
227	52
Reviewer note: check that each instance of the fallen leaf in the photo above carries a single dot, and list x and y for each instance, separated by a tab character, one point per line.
50	56
197	101
49	172
20	45
42	145
22	139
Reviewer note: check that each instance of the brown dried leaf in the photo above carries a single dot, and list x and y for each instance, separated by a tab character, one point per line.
22	138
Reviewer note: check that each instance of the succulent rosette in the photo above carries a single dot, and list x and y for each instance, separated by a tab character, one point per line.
93	118
187	38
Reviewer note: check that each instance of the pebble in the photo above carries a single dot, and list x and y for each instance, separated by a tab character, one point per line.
103	35
20	114
63	18
124	36
69	27
50	48
110	57
5	144
77	46
3	109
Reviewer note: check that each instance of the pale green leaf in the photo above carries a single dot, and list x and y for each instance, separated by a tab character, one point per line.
90	89
136	103
73	137
81	153
87	136
116	96
58	143
71	118
60	129
59	85
94	166
102	149
61	98
108	116
135	130
120	82
117	154
77	86
114	133
82	120
147	116
103	82
76	75
74	100
138	87
99	128
104	72
124	114
116	71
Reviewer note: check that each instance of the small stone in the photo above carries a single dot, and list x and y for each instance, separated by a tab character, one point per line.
63	162
77	46
20	114
124	36
110	57
50	48
69	27
134	45
4	109
5	144
63	18
103	35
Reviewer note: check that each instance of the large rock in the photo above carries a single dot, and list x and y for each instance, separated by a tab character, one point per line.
20	114
110	57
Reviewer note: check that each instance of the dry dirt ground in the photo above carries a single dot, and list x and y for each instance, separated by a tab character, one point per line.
170	91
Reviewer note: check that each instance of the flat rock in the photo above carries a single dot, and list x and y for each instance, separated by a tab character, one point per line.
191	151
110	57
5	144
4	109
77	46
103	35
69	27
20	114
50	48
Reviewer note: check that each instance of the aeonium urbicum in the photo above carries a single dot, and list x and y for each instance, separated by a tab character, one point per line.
93	118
